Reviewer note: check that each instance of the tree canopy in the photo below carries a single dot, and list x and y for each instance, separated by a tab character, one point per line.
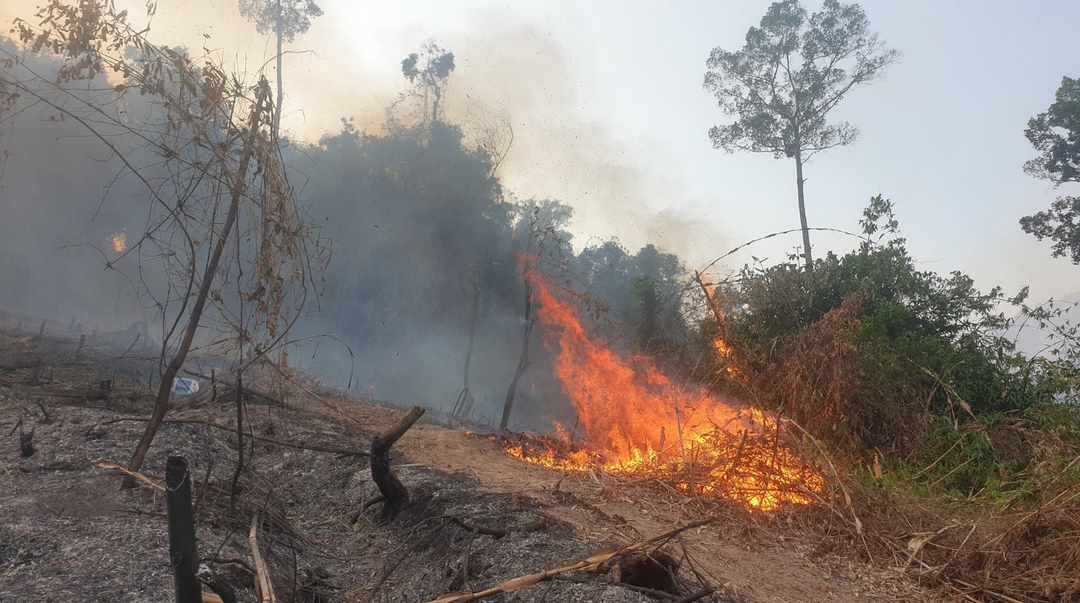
793	70
1055	135
296	16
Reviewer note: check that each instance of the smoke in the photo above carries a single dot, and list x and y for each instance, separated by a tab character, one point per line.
414	215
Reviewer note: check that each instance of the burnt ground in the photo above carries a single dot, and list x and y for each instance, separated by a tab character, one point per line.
477	517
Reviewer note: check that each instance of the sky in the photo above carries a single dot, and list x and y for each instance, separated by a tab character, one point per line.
609	115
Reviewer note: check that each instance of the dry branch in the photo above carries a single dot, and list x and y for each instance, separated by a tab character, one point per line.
135	475
239	186
264	587
589	564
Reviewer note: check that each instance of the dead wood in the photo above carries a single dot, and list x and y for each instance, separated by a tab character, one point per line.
590	564
234	490
655	570
45	419
395	493
268	440
182	550
135	475
26	443
493	532
161	403
223	591
264	588
701	594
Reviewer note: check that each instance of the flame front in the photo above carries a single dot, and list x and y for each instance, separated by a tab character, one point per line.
635	420
119	242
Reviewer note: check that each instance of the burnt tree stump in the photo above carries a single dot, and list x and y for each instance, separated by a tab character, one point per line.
394	493
182	551
26	442
655	570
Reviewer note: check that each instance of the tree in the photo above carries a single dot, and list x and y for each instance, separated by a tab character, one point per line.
210	131
541	242
428	71
792	72
1055	134
286	19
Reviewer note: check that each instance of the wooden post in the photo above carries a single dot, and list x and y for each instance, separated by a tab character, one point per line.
182	550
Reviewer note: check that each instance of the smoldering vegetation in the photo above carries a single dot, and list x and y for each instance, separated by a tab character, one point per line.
421	235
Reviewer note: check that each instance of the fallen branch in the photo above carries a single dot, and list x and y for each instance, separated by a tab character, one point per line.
132	474
264	588
589	564
395	493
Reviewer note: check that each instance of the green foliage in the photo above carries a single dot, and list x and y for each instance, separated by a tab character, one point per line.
793	70
428	71
1055	135
1060	224
928	344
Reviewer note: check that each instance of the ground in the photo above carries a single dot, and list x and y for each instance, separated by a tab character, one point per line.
70	533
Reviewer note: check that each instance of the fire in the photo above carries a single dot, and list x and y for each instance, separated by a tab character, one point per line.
119	242
635	421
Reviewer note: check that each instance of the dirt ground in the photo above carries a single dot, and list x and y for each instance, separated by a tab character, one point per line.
68	532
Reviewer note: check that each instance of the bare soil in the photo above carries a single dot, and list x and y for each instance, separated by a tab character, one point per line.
69	533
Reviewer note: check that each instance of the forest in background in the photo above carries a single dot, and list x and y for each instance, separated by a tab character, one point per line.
911	376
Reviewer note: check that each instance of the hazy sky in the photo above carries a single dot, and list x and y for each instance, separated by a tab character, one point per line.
609	115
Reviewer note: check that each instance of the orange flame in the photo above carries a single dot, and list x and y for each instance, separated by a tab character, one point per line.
119	242
634	419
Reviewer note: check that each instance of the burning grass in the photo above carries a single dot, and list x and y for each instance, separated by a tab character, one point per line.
636	423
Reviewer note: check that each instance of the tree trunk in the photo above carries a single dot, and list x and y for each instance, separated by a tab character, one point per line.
161	403
277	105
464	401
802	211
523	360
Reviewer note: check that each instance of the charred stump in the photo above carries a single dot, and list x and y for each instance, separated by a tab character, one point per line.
26	442
182	552
654	570
394	493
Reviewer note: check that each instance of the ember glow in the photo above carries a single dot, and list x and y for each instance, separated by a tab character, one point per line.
119	242
635	421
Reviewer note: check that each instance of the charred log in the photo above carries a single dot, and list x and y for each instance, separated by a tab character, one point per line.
395	494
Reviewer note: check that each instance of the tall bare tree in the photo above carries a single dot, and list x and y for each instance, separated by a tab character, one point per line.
793	70
544	247
429	70
286	19
212	131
